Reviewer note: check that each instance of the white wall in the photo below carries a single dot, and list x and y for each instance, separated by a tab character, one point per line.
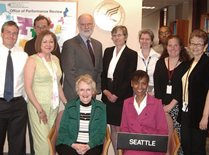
152	22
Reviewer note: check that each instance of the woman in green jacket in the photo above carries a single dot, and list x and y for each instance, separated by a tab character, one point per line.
83	125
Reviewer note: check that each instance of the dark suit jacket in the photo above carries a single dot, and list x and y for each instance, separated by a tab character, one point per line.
30	48
76	61
126	65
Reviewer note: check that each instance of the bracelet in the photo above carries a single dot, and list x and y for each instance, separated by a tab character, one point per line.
40	111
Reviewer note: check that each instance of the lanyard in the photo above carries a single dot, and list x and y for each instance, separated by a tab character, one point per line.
184	93
171	74
146	65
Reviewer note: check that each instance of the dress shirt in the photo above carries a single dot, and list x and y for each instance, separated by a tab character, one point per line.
151	66
19	58
85	41
142	104
114	61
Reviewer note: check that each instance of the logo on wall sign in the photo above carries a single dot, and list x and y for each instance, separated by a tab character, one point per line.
108	14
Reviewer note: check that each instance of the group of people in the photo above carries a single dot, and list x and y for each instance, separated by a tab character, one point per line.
138	88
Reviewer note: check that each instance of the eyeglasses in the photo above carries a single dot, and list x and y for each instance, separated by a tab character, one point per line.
198	45
88	24
166	32
41	26
119	35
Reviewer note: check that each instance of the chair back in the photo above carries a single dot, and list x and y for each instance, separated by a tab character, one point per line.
173	139
107	141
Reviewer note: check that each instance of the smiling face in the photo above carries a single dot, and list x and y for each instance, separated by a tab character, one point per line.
197	46
145	41
164	32
85	92
40	26
86	25
118	38
47	44
140	87
173	48
9	36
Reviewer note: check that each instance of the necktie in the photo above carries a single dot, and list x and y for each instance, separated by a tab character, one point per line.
91	52
8	87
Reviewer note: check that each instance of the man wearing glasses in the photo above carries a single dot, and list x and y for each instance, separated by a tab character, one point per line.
163	34
41	23
81	55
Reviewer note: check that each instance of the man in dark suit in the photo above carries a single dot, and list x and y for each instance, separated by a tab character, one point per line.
81	55
41	23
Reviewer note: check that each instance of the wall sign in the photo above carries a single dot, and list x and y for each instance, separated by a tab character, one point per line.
108	14
62	17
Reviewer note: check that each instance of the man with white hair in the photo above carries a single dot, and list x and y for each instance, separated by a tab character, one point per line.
81	55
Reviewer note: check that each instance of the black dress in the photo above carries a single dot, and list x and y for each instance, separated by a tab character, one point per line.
161	80
121	83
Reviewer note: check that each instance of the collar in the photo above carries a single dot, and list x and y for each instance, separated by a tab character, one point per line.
5	49
152	53
85	105
84	39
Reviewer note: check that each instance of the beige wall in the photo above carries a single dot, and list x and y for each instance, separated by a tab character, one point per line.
152	22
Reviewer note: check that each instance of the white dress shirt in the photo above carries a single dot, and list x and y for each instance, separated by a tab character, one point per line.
114	61
142	104
19	58
149	63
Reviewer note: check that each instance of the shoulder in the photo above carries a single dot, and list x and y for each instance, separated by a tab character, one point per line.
19	50
99	104
109	49
128	100
130	51
71	103
72	41
154	100
96	41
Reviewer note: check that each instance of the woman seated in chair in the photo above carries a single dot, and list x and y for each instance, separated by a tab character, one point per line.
143	113
83	124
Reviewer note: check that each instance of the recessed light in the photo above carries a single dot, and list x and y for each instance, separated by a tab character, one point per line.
148	7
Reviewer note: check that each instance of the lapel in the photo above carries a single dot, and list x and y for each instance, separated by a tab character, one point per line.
121	59
109	57
85	49
145	112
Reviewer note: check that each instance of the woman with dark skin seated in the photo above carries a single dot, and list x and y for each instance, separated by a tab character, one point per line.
143	113
83	125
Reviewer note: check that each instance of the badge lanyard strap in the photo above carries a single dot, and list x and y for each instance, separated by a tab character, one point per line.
146	65
184	93
171	74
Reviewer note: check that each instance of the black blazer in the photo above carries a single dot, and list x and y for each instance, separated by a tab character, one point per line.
198	88
126	65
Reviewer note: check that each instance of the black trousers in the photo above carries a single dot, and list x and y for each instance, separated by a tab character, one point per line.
13	120
66	150
193	141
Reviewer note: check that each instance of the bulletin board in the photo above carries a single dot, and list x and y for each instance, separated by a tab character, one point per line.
62	17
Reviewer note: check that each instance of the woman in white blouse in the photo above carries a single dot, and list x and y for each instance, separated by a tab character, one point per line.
147	57
119	63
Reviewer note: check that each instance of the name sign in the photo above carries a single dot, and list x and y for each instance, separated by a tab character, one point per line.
142	142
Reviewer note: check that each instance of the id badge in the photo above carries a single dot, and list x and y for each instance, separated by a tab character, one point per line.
169	89
185	107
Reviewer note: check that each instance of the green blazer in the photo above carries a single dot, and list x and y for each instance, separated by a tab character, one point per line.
69	125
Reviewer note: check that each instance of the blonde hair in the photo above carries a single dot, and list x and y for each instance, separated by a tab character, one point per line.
88	79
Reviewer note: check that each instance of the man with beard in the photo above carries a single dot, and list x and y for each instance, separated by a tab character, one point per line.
163	34
81	55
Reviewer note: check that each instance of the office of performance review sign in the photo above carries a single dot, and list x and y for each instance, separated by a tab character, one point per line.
61	15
